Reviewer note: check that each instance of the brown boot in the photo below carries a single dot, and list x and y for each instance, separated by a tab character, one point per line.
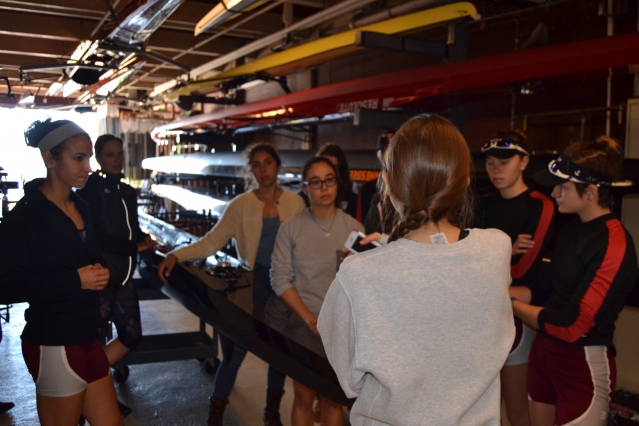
216	411
272	410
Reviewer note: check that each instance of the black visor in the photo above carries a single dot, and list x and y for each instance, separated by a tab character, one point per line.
563	170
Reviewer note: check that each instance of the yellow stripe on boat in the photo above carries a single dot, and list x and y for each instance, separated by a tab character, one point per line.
401	24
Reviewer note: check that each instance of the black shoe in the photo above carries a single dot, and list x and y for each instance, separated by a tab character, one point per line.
216	411
124	410
271	415
6	406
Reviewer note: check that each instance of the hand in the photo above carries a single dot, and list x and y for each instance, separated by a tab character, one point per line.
522	244
166	266
375	236
147	244
150	243
93	277
312	325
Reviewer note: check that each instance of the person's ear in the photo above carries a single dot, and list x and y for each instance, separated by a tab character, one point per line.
305	189
592	192
385	177
49	161
524	162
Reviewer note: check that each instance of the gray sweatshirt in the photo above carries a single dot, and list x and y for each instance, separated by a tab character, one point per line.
306	259
419	332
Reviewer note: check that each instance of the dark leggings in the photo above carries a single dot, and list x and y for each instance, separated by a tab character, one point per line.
228	369
119	304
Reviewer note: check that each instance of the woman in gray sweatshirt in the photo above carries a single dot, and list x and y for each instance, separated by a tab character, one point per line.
308	249
419	329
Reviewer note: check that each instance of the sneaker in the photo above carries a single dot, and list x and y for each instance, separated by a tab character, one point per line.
124	410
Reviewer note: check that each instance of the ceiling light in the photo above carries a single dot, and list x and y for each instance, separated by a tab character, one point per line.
27	99
222	11
70	87
54	89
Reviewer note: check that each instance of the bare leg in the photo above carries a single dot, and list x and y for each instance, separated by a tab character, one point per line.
115	351
332	413
64	411
542	414
100	405
302	413
514	389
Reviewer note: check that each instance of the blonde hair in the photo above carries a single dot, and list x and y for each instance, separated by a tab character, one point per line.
428	165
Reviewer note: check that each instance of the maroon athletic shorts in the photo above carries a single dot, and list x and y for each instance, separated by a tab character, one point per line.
578	380
61	371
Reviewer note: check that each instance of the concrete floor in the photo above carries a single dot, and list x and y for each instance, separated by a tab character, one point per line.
169	393
161	394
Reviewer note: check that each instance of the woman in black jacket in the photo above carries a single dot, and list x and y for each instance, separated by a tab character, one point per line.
49	257
113	208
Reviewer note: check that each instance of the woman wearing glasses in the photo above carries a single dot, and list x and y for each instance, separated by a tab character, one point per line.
308	250
253	219
572	368
436	296
527	217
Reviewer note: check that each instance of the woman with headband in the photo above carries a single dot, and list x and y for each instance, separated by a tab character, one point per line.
572	369
49	258
527	217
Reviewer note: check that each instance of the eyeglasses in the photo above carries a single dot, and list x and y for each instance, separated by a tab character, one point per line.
499	143
317	183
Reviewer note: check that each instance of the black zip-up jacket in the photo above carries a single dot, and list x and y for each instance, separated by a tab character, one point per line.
593	269
113	207
40	252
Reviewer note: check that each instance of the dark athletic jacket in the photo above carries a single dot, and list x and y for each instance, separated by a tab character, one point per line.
528	213
40	252
113	207
594	267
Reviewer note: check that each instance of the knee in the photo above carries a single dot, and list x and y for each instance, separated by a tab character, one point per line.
331	405
304	399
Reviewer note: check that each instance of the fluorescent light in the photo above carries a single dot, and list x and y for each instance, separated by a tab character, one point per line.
27	98
222	11
54	89
115	83
70	87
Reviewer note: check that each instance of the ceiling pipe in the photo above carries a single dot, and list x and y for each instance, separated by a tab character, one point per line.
318	18
392	12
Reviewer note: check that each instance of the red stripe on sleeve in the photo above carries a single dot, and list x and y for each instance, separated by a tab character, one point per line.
520	268
599	287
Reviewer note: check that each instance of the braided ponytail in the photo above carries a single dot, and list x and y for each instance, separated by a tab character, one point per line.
428	167
409	222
